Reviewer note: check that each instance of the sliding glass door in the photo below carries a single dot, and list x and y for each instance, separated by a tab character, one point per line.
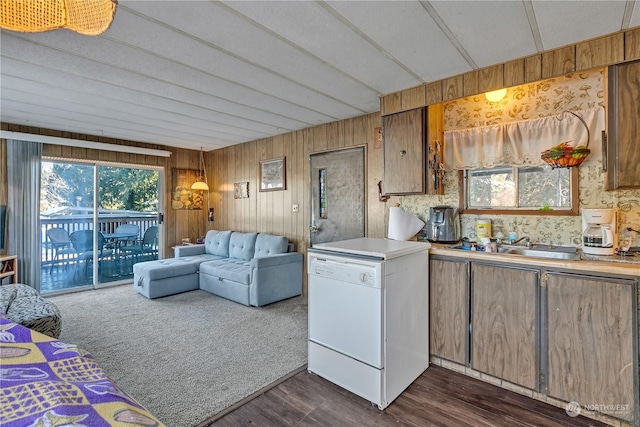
87	247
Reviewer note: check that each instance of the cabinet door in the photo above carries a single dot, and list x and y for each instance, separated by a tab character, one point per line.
449	309
435	149
404	139
623	161
504	333
590	342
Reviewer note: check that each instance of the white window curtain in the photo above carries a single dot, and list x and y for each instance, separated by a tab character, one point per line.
520	143
23	175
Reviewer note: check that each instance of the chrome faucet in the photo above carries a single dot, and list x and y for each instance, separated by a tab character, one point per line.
525	238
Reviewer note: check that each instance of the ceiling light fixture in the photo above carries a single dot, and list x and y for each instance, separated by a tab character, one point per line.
88	17
496	95
201	183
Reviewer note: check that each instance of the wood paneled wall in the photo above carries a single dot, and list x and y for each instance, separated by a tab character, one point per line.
271	212
607	50
178	223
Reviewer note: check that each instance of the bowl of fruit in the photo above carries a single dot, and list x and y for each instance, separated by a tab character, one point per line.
564	155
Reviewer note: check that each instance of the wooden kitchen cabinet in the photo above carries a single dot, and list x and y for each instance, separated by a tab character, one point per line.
404	152
435	149
623	123
449	309
590	342
504	326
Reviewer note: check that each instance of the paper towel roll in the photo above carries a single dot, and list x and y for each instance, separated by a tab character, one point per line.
402	225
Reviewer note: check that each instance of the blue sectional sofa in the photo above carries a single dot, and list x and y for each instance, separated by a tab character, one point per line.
249	268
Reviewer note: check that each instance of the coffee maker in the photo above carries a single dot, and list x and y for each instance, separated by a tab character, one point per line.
443	225
599	231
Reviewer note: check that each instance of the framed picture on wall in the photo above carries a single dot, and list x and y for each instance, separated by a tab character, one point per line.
241	190
273	176
182	196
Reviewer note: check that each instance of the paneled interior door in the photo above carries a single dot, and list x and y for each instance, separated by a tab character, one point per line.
337	195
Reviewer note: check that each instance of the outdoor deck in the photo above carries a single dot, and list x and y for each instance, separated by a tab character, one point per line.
68	272
64	276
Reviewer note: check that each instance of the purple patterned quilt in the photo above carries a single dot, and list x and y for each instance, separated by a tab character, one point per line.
45	382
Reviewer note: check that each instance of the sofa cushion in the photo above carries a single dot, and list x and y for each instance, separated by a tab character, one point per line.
242	245
230	269
163	268
217	243
268	244
201	258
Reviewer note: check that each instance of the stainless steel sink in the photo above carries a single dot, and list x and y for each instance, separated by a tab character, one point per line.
536	251
542	253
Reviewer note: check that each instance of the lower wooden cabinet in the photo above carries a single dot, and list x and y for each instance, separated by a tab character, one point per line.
449	309
504	306
591	354
569	335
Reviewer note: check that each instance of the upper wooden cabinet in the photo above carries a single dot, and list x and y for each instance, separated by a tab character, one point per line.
404	152
623	156
435	149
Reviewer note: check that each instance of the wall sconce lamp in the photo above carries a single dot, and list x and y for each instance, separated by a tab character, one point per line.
85	17
201	183
496	95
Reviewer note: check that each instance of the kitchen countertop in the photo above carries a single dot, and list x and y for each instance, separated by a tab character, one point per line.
628	266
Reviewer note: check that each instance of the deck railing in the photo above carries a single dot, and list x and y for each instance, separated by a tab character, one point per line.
106	224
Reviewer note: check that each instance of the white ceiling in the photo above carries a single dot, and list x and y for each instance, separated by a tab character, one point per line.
211	74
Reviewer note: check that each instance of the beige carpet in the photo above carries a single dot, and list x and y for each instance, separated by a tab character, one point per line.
186	357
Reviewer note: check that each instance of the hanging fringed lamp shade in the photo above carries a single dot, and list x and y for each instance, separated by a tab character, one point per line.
89	17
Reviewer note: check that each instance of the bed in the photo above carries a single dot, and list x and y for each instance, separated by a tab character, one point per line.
45	382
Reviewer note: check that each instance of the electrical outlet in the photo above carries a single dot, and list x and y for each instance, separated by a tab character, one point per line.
295	208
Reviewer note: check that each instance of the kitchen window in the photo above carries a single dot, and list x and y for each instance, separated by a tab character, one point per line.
538	190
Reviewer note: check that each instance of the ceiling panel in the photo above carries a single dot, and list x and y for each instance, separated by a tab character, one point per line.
162	121
566	22
635	17
44	81
409	34
320	33
506	33
211	74
74	66
103	56
253	45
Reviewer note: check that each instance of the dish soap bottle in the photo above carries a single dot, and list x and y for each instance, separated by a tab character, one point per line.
513	236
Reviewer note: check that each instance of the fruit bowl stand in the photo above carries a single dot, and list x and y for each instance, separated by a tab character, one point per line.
565	156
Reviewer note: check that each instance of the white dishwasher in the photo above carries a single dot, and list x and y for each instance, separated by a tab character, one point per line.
369	315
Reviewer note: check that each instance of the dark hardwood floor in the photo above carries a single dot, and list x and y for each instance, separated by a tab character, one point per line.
440	397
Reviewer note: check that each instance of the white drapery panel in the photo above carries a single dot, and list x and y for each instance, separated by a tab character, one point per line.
23	176
520	143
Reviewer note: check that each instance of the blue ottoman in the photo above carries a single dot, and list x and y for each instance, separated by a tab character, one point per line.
155	279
